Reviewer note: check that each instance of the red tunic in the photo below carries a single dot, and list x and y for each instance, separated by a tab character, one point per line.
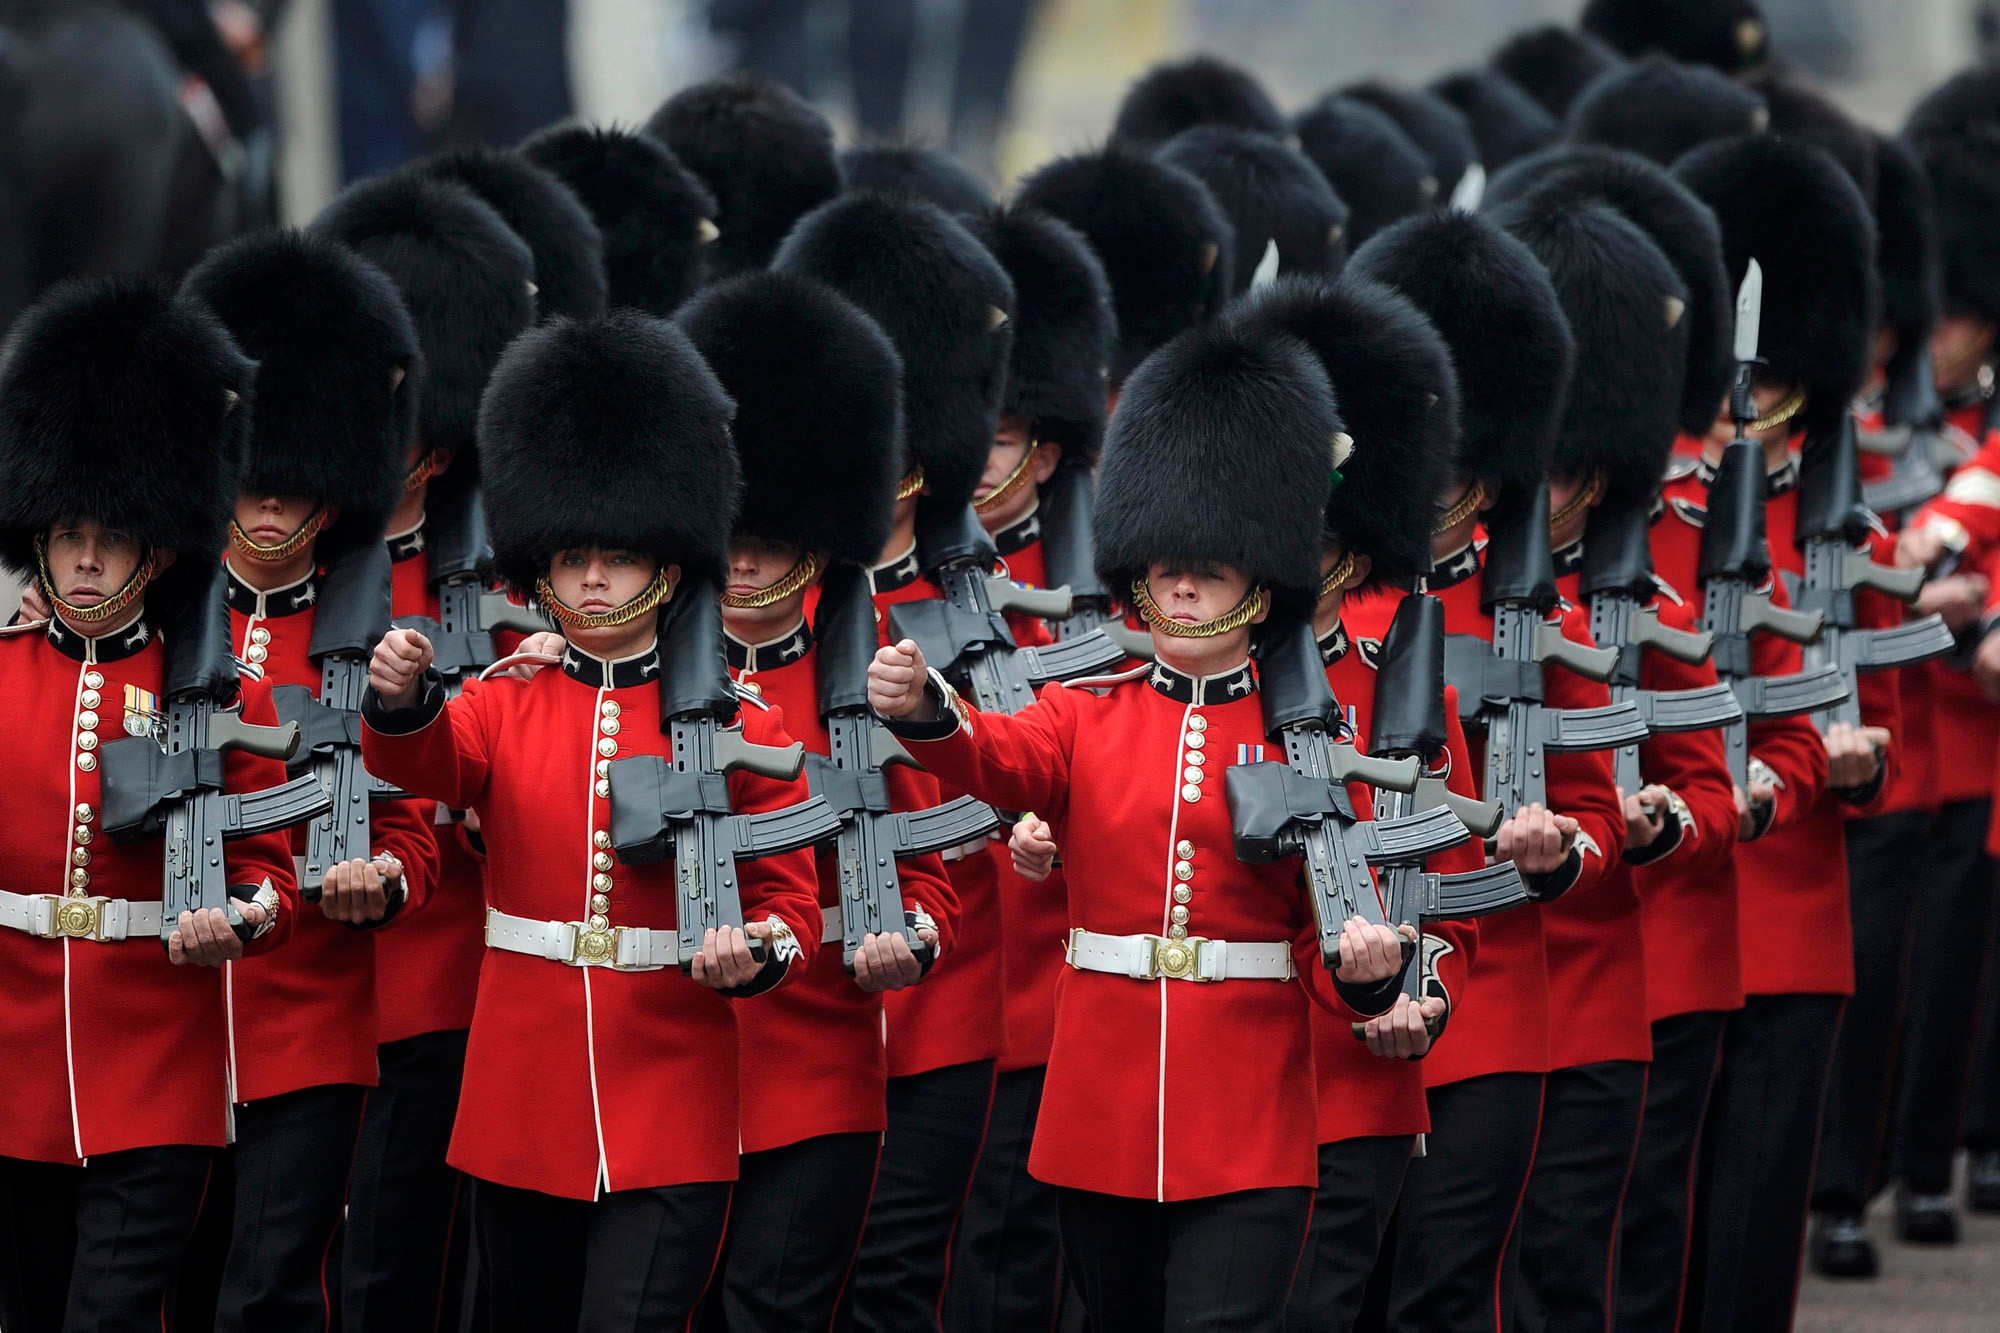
1162	1090
306	1016
585	1079
812	1056
108	1045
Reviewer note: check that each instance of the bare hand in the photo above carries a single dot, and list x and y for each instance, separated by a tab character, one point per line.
1959	598
897	680
1033	847
1645	815
1762	794
1853	754
398	666
548	643
886	961
1403	1033
357	892
1919	547
724	962
1986	667
34	606
1537	840
206	939
1369	954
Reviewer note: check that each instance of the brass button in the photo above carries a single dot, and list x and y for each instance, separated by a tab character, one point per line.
1195	740
1195	757
604	768
601	882
260	635
1176	932
1184	849
87	720
79	878
82	834
90	698
601	839
1192	774
1183	894
601	861
257	653
80	857
1183	871
751	687
599	903
609	726
86	762
1197	723
84	814
598	923
86	741
603	787
1191	794
1179	916
609	708
607	747
93	680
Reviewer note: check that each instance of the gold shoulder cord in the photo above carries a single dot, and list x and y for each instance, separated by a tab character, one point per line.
1235	618
571	618
104	610
804	572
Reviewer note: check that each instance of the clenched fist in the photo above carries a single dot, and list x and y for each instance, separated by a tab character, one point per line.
397	668
1537	840
356	892
1369	954
1032	844
897	679
1853	754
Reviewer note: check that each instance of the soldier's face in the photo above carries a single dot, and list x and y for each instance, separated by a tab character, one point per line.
754	565
269	519
1010	446
1765	396
1959	346
595	580
1196	594
89	562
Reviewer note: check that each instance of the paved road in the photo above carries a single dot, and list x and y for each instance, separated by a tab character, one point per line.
1951	1289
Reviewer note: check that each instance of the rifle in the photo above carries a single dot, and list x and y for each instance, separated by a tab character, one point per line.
679	806
873	837
1833	526
171	786
1735	561
1500	684
1911	435
966	633
1618	579
1300	807
1068	500
469	613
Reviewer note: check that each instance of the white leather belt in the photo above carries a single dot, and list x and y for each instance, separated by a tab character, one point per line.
49	916
1152	957
972	847
621	948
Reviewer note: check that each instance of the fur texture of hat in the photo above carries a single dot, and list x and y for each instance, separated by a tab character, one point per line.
656	217
1627	310
1063	328
465	279
819	410
1392	377
1799	112
1552	64
1178	96
1371	164
1270	192
1906	243
1433	124
1730	35
339	373
1790	207
123	403
765	154
608	432
1955	134
922	173
1220	452
1166	245
1492	302
1506	122
544	212
1678	223
939	296
1660	109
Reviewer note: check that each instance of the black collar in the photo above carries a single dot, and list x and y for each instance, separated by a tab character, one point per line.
1568	559
896	574
1185	689
105	647
621	674
1452	570
1777	480
1333	644
286	601
407	545
1019	535
770	654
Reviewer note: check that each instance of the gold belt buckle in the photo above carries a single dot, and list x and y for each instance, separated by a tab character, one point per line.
594	948
78	918
1178	960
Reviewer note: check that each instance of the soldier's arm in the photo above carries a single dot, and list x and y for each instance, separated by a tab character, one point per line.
924	881
1966	517
1016	763
1790	748
406	831
432	749
1881	698
260	866
1581	786
1700	835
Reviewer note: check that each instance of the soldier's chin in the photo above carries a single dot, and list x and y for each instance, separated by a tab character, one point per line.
83	601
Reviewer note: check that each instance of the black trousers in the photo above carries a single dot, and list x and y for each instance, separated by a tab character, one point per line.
1981	1131
631	1260
936	1121
1653	1228
97	1248
794	1225
1756	1164
403	1249
1567	1241
1201	1265
1006	1269
1460	1201
1359	1180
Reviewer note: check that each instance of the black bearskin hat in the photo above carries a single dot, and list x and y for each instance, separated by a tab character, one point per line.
466	280
1661	110
1678	223
921	173
1492	301
1372	165
656	217
544	212
339	374
1398	395
1433	125
1552	64
1627	311
1906	243
123	403
1728	34
944	302
1798	112
819	410
1201	91
1063	328
765	154
1955	133
1270	192
607	432
1221	452
1790	207
1506	122
1165	243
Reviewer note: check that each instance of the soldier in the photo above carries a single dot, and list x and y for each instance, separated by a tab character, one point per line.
338	380
123	412
1175	1195
1371	163
599	1112
1432	124
819	429
558	230
1278	202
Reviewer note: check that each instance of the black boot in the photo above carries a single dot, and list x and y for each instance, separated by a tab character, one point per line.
1982	1182
1840	1246
1926	1219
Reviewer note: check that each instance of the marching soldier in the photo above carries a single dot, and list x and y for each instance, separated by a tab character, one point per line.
599	1113
123	413
1432	124
1274	197
562	238
338	378
1372	163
